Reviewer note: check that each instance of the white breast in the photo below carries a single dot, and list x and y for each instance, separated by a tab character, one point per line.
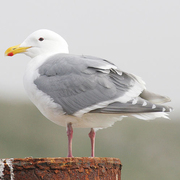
42	101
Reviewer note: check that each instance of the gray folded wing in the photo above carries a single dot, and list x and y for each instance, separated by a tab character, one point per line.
79	82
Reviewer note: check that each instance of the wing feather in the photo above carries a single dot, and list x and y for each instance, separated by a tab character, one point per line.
80	82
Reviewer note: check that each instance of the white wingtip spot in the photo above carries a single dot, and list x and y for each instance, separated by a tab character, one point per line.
163	110
134	101
154	106
144	103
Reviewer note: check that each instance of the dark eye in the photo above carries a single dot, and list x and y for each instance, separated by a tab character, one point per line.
41	39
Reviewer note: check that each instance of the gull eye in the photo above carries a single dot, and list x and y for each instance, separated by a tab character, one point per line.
41	39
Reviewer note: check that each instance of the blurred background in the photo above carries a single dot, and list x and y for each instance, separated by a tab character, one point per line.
140	37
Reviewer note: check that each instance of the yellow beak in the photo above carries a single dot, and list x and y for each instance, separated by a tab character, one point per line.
15	49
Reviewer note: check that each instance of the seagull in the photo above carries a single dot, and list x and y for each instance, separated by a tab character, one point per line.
82	91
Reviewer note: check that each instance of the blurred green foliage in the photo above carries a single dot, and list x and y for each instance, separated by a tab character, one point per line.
147	150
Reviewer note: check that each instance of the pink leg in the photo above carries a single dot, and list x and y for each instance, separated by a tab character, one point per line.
70	136
92	135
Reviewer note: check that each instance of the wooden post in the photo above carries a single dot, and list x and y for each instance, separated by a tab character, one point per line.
81	168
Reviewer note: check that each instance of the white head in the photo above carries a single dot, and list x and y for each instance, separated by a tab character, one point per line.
40	42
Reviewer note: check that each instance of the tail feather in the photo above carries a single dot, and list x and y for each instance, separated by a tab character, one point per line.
154	98
150	116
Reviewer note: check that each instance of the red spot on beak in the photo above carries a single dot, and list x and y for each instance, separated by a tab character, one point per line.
10	54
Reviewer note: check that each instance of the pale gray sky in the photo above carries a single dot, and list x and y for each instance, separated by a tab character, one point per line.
141	37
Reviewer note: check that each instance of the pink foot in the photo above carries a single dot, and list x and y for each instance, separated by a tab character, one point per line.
70	136
92	135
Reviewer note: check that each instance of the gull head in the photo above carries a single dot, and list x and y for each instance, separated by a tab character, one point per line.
40	42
